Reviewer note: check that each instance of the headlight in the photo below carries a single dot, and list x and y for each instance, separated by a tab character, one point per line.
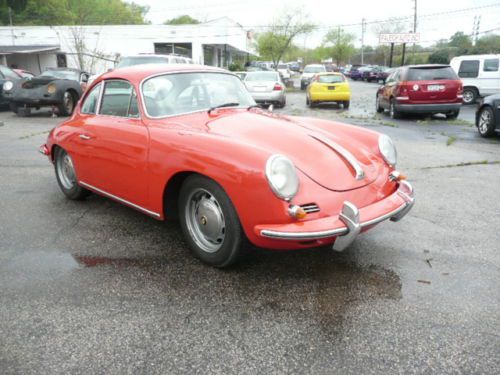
282	177
51	88
387	150
8	85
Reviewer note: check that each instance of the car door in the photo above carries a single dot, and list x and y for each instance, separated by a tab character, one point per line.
490	77
114	145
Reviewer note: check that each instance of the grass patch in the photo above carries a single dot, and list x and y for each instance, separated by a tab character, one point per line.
34	134
456	121
451	139
465	164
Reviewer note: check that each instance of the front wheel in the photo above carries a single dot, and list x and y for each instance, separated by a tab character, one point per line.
13	107
68	104
486	122
66	176
209	222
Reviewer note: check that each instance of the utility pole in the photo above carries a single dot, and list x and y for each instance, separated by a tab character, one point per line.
475	29
363	29
414	28
11	29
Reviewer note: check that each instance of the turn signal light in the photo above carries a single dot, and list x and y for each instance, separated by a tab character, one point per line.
297	212
51	88
397	176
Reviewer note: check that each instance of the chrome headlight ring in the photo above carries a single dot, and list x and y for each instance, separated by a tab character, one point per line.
388	150
282	177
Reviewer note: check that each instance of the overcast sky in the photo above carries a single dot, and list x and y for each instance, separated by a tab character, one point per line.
452	15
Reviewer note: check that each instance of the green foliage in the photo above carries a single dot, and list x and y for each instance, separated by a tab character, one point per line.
488	44
235	67
73	12
182	20
460	40
341	45
441	56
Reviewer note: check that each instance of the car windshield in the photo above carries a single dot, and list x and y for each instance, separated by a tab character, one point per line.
330	78
314	69
175	94
138	60
430	74
61	74
261	76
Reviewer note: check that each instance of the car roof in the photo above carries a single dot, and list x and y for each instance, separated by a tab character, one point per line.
314	65
426	66
137	73
329	74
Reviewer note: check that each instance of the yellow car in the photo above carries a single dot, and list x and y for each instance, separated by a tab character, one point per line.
328	87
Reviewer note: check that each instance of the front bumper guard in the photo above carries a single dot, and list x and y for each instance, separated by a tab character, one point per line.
352	225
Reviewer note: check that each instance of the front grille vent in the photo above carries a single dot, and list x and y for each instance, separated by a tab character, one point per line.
310	207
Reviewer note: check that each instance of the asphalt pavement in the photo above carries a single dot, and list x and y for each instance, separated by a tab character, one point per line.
95	287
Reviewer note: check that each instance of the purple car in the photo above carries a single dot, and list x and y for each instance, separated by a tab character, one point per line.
355	74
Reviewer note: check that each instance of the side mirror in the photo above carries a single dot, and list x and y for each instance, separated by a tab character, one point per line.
85	79
270	108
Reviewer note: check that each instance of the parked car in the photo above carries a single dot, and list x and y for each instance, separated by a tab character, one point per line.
382	73
294	66
369	73
187	142
23	73
356	72
425	89
488	116
148	58
286	74
56	87
266	88
328	87
480	75
6	75
309	72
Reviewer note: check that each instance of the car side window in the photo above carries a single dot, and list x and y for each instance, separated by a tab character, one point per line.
90	104
119	99
490	65
468	69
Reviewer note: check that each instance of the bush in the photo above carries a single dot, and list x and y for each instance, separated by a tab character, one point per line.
439	57
235	67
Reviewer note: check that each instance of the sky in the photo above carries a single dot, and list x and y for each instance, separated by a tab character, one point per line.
437	19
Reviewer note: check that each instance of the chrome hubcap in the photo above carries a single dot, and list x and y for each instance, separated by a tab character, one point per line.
484	121
66	171
205	220
68	102
468	96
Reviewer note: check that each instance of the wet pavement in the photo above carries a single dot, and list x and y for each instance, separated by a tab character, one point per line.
96	287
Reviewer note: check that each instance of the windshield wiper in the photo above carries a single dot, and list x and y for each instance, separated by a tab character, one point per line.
230	104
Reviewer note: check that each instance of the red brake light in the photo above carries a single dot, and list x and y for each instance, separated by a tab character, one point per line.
277	87
403	88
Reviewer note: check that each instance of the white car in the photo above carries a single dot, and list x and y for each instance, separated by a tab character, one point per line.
480	75
309	72
148	58
285	72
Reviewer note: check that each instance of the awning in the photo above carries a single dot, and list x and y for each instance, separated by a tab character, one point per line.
9	50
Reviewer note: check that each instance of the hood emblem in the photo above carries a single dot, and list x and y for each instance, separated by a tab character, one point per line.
344	154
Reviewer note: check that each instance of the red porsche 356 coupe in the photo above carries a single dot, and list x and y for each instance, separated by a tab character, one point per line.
188	141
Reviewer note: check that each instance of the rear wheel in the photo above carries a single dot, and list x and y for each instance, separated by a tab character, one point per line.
452	115
68	104
393	112
209	222
346	104
486	122
66	176
378	108
470	95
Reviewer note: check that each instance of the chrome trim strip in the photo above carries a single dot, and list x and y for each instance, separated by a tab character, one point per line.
396	214
121	200
346	155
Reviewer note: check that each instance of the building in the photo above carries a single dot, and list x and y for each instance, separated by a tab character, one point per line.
35	48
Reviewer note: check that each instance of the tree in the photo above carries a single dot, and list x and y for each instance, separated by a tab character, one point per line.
274	43
182	20
342	45
440	56
488	44
460	41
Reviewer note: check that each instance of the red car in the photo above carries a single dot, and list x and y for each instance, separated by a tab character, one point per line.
426	89
189	142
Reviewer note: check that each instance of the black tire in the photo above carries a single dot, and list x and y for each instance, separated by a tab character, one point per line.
302	86
486	122
73	191
68	104
13	107
228	250
346	104
452	115
393	113
283	103
378	108
470	95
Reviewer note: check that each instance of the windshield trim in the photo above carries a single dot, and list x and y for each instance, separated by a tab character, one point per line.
143	102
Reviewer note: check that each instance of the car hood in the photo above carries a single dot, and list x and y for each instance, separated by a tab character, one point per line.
317	153
33	83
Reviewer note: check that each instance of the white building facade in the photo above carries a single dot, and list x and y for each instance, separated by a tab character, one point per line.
97	48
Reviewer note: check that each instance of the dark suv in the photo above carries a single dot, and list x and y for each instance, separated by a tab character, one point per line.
425	89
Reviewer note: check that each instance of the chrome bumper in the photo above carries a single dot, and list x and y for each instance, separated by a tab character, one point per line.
350	217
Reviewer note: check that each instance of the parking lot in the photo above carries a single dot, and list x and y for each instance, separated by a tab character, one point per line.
96	287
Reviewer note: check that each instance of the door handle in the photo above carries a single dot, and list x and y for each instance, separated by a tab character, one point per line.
85	137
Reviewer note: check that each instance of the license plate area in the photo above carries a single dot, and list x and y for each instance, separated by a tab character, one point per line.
331	87
435	88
